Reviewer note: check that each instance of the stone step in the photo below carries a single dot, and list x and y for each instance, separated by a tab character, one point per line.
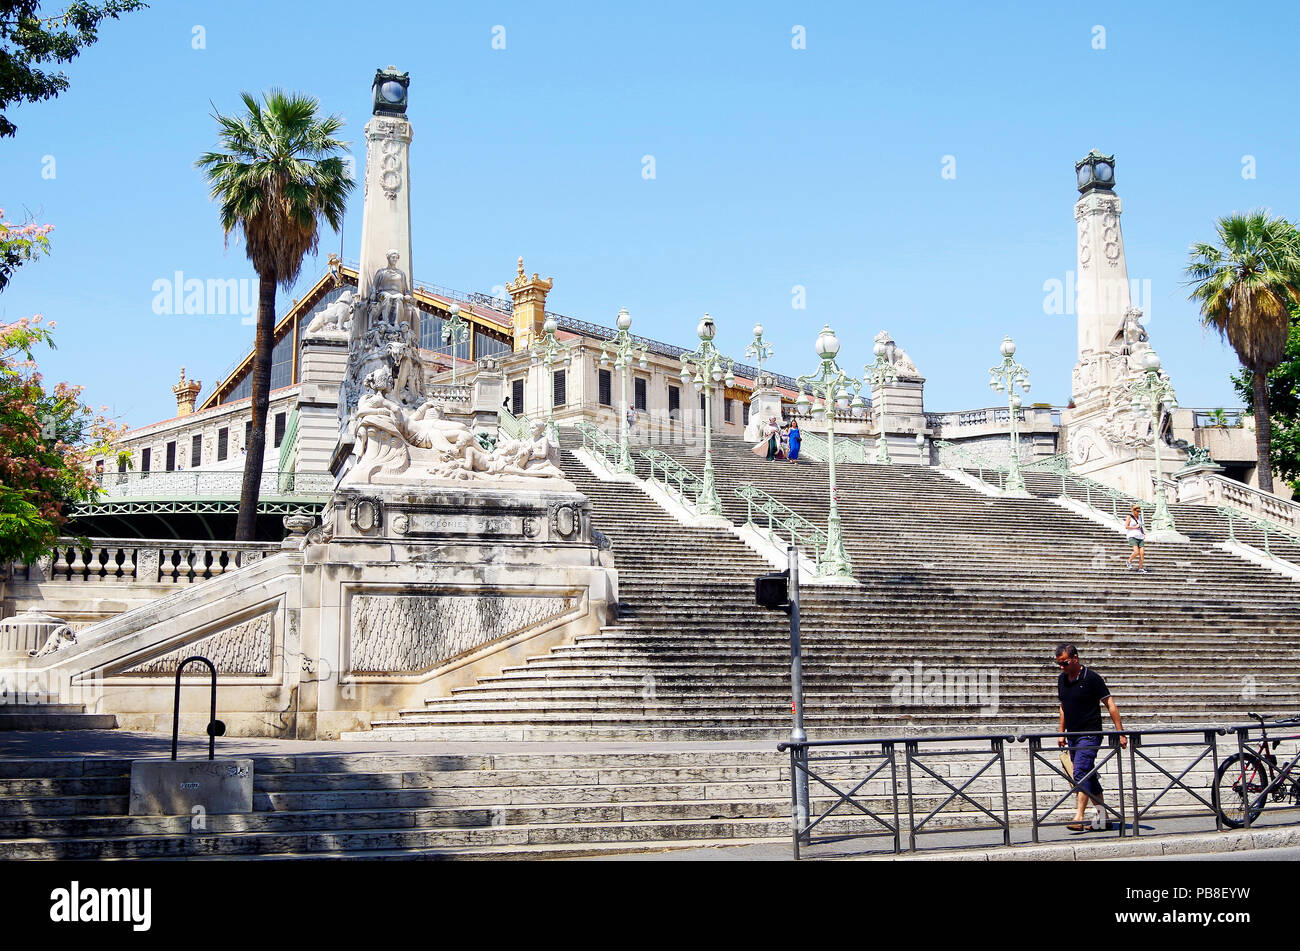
57	721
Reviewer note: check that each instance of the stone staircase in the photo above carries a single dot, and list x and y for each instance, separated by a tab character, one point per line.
975	590
53	716
488	805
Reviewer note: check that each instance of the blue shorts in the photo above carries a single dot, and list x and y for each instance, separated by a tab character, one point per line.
1083	752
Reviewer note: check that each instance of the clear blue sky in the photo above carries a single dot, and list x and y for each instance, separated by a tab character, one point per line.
775	167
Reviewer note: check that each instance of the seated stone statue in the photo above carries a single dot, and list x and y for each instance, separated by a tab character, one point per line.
391	292
897	355
537	457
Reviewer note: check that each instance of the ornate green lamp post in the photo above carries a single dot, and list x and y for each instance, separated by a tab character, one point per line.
830	389
549	352
1005	377
455	332
620	348
759	350
880	373
708	361
1153	395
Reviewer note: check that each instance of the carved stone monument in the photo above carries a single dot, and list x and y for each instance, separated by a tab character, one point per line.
1106	438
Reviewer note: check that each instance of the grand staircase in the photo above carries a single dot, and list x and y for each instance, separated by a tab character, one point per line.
961	600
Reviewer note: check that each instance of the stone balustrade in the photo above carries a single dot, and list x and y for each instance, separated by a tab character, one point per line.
450	392
139	561
1207	487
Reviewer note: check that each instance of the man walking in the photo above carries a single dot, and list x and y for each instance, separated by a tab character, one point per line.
1080	691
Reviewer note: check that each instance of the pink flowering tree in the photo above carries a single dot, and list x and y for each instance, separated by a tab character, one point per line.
48	437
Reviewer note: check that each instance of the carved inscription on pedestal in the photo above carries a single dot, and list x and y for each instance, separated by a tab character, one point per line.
427	524
402	633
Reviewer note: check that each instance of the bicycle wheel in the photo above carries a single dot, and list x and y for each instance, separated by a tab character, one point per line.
1233	782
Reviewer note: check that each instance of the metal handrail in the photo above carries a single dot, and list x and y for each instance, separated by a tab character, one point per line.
512	426
202	483
688	484
1133	801
973	461
802	533
599	443
1263	524
814	446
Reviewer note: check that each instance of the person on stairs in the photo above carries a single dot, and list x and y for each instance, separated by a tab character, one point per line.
795	438
1080	690
1137	536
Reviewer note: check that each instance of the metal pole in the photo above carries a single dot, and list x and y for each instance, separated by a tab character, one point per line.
797	733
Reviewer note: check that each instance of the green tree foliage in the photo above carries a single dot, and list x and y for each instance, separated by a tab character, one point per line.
1244	285
29	40
1284	405
280	171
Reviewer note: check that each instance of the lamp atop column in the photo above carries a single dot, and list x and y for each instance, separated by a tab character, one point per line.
1095	172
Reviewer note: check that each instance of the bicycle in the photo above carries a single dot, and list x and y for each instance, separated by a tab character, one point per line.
1258	780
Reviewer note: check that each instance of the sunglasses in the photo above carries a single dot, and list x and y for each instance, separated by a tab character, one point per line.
1064	663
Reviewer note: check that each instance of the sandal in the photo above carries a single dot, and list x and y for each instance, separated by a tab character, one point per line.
1083	826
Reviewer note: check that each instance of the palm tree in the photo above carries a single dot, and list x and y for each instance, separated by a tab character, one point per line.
1244	285
278	174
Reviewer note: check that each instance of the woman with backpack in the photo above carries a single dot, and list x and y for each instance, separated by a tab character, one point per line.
1137	535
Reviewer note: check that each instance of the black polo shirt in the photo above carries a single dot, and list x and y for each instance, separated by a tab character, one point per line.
1081	700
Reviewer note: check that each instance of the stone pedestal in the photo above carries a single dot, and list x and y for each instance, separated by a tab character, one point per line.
23	633
323	362
763	405
488	395
408	593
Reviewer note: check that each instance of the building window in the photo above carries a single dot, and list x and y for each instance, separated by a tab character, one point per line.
558	394
726	410
517	398
744	412
279	428
639	394
171	456
121	465
196	452
223	444
146	455
248	434
675	401
606	387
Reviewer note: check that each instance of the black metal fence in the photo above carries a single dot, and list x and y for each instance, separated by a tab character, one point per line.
963	781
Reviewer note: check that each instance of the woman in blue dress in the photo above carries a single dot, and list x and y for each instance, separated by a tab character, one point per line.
794	438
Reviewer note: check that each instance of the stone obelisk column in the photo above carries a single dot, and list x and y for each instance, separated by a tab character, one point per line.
1105	438
386	219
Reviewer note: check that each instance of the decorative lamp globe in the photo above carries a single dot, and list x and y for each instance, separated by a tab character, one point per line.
717	374
1025	385
1015	401
642	361
1008	347
827	343
879	349
859	405
454	310
549	325
842	399
758	330
920	441
699	382
731	378
802	403
686	373
604	358
1150	361
624	319
707	329
818	409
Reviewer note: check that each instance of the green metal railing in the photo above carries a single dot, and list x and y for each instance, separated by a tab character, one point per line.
813	445
781	518
1264	525
512	426
971	460
674	477
288	454
600	444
